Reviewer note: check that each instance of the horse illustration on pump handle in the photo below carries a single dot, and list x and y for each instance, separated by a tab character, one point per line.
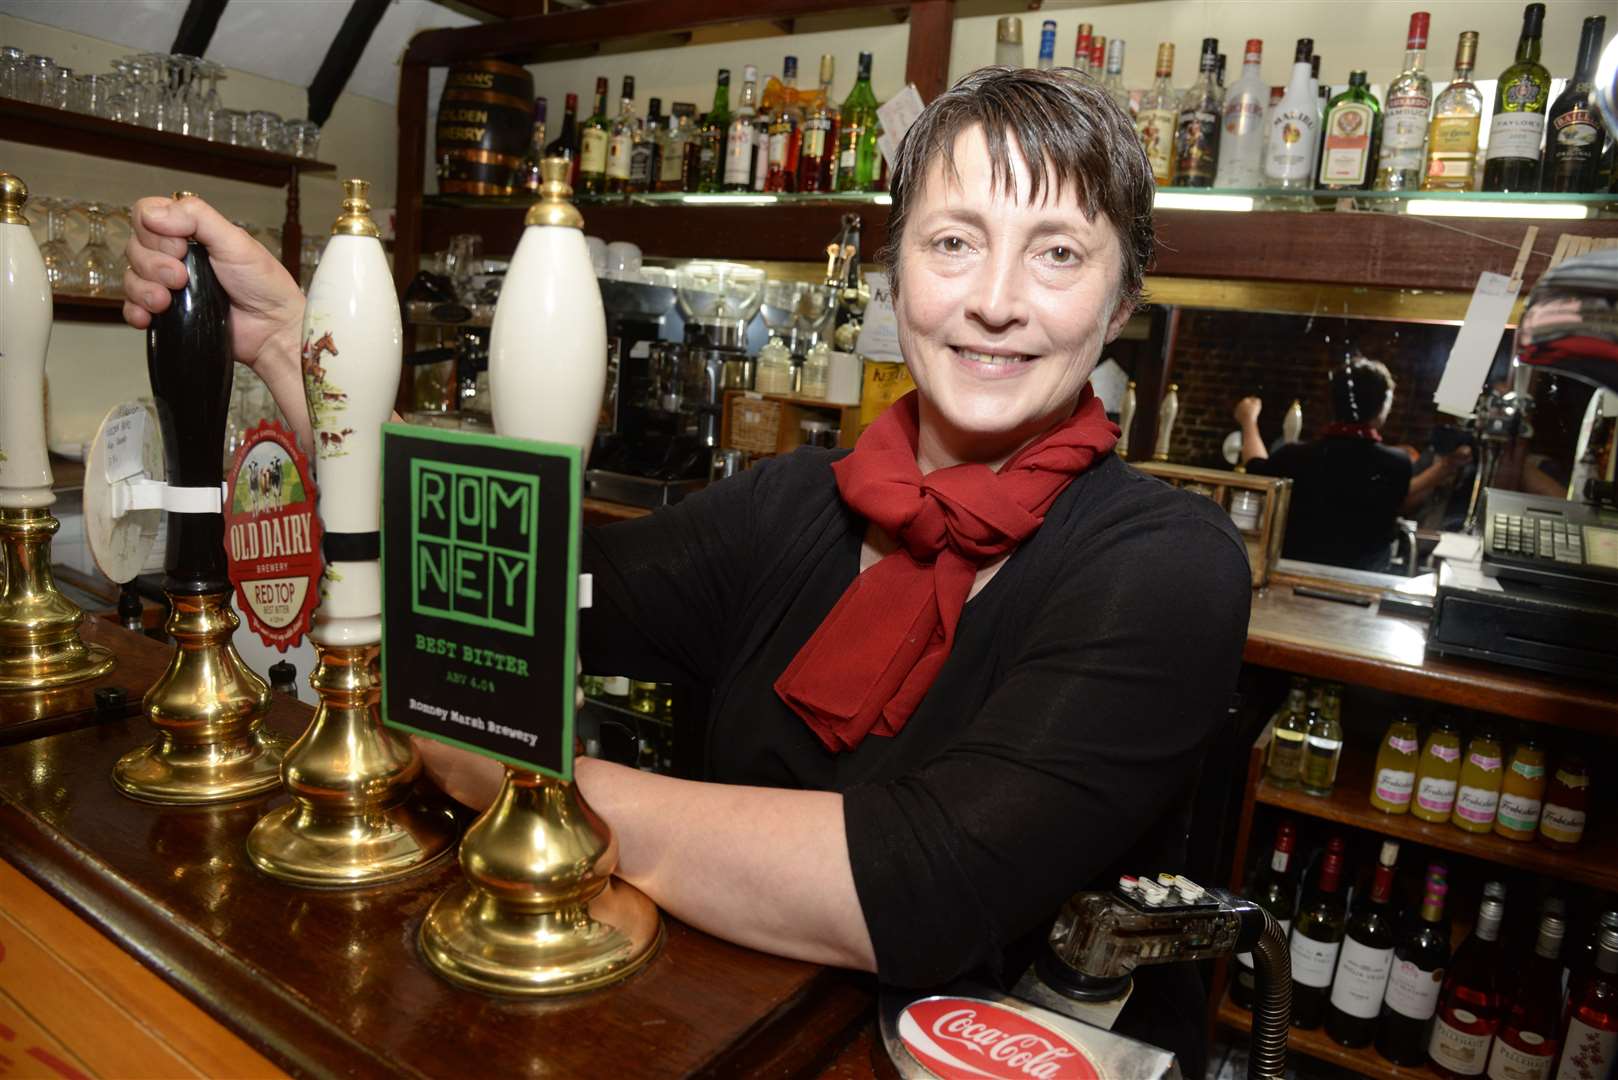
326	401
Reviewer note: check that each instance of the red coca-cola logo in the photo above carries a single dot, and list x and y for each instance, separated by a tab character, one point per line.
955	1037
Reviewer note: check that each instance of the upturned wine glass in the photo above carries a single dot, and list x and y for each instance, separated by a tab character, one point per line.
96	265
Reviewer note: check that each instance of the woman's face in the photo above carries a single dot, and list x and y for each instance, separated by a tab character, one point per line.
1004	304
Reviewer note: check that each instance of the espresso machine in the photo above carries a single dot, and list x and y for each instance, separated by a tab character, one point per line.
718	301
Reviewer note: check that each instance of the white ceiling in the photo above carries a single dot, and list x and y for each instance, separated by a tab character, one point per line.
276	39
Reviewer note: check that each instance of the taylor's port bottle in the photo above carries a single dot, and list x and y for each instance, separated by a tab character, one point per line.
1590	1028
1275	889
1519	113
1525	1046
1415	978
1317	937
1574	135
1469	1004
1367	957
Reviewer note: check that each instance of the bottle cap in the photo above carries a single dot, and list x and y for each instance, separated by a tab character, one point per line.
828	65
572	102
1533	20
1007	30
355	220
1356	78
749	73
1495	890
1165	58
1419	22
1389	853
724	76
1305	49
601	84
1254	51
629	86
1466	51
1049	25
13	195
789	68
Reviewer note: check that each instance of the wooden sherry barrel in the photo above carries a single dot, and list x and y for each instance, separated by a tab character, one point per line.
484	124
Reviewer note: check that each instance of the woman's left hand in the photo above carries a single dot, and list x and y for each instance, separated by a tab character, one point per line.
466	777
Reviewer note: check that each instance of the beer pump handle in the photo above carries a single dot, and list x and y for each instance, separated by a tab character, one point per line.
189	360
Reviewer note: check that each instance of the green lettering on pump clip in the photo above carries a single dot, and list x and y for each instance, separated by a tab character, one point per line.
474	535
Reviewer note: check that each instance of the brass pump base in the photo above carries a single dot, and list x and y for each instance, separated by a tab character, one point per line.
39	627
209	709
355	816
538	912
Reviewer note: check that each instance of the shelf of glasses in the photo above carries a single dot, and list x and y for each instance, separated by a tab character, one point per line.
60	129
71	307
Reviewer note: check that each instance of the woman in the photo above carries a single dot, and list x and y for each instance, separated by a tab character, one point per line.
945	697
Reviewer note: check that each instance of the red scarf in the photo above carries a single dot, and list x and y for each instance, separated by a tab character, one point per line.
1346	430
872	660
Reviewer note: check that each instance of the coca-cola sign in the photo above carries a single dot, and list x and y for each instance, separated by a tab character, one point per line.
957	1037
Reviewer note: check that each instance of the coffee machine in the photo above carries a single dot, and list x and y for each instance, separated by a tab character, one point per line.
718	301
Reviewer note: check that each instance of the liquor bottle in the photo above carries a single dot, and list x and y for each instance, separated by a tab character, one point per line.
644	151
1112	81
1581	959
857	156
1437	773
621	142
711	139
1415	978
1274	889
1561	823
1158	112
594	136
1530	1015
1047	45
1289	147
763	116
566	143
1219	72
786	133
1353	130
1589	1040
1367	957
1469	1003
1008	42
1320	93
1317	937
1518	126
671	144
1241	144
1452	138
1082	44
1290	727
1098	56
1394	781
1322	750
1196	133
1410	106
818	146
739	137
1482	774
528	178
1522	793
1574	137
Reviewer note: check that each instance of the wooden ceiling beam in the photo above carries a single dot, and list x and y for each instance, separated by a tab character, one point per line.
342	56
197	25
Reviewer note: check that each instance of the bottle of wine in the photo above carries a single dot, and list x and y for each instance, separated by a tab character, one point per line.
593	140
1469	1004
1526	1043
1415	978
1410	103
858	160
1573	142
1196	136
1289	148
621	143
1353	131
1274	889
1159	109
1452	138
1241	145
740	139
1581	959
711	138
1519	113
566	143
1590	1029
1290	726
528	178
1362	970
1317	937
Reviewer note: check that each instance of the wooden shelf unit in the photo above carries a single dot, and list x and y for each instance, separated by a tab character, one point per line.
60	129
1316	1044
71	307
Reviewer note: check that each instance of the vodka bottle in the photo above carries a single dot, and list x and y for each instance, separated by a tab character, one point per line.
1404	125
1241	144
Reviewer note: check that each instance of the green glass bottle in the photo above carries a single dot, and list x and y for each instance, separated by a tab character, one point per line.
858	160
1519	113
711	138
1353	134
594	135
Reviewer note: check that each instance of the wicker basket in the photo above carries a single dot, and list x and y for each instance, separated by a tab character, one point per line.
755	425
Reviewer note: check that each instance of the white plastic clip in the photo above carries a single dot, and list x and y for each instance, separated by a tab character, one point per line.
144	493
586	591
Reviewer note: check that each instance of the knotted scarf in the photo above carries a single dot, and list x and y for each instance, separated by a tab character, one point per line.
1343	429
868	665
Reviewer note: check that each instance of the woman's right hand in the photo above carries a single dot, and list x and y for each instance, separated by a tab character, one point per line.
1247	410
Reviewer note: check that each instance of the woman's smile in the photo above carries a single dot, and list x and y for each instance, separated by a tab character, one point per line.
993	363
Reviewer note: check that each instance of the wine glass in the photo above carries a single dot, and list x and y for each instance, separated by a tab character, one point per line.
97	265
212	107
61	270
11	59
184	109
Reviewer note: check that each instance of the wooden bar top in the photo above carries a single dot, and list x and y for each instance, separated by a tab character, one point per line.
329	983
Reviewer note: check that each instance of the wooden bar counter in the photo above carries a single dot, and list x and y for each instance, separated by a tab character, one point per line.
317	983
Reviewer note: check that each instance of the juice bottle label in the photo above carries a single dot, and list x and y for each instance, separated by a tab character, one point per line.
1477	805
1395	785
1486	763
1562	823
1526	770
1404	746
1436	794
1520	813
1445	753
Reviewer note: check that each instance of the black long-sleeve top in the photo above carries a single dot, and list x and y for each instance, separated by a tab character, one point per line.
1058	747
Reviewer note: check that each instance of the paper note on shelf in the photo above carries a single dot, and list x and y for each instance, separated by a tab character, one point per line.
1458	547
1476	344
879	329
124	439
897	114
1468	576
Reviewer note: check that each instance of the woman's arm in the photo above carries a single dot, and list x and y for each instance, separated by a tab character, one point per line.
1246	413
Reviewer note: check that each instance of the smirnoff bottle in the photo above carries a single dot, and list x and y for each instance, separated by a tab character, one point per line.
1289	149
1241	145
1081	49
1404	124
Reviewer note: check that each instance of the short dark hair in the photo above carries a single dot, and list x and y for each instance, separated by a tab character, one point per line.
1360	389
1070	132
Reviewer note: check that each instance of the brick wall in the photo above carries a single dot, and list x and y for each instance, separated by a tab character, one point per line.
1221	356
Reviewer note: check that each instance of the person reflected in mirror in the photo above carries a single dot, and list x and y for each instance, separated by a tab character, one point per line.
1348	489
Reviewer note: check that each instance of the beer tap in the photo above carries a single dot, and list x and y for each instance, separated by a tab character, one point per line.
208	707
40	647
1167	412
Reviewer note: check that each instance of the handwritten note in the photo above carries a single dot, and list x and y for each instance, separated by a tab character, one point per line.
1475	345
897	114
879	331
124	439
